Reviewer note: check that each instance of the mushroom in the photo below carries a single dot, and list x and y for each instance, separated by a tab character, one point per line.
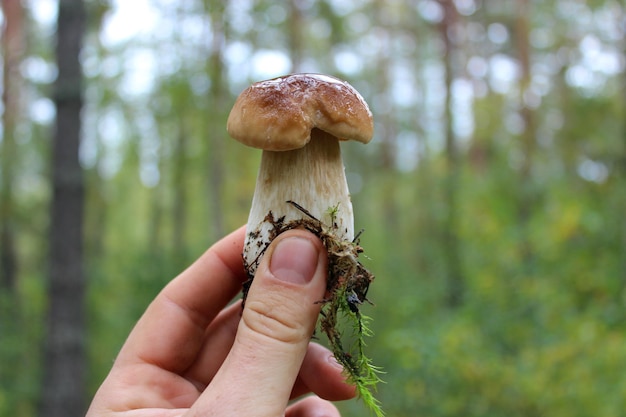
298	122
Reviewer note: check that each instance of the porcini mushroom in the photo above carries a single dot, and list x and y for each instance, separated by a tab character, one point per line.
298	122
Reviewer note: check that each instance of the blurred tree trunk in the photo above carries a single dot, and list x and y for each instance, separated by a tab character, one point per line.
179	165
96	202
385	100
180	189
386	129
425	173
295	36
157	210
480	154
63	389
12	50
451	244
526	200
621	181
218	97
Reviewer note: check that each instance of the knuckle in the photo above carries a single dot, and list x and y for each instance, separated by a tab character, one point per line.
275	321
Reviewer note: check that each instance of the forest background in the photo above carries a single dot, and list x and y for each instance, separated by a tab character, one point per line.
493	196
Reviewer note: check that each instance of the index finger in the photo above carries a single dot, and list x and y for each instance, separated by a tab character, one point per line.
170	333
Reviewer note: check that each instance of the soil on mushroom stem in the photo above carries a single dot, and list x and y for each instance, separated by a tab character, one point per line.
346	289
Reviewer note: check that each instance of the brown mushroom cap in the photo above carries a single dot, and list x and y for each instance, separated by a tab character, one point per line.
279	114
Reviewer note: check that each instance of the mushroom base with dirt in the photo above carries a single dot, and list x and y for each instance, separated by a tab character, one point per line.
347	286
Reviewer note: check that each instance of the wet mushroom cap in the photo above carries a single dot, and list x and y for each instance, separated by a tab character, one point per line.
279	114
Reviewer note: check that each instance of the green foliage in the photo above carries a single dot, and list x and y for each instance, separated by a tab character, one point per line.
541	342
341	316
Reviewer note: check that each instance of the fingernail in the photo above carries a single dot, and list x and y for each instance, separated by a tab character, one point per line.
294	260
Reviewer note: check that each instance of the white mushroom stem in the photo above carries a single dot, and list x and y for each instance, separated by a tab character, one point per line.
314	178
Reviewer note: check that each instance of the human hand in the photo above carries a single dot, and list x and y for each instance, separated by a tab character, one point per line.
190	355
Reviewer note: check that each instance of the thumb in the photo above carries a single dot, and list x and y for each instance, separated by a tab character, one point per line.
275	329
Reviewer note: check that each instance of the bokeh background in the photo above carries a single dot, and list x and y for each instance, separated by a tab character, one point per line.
493	196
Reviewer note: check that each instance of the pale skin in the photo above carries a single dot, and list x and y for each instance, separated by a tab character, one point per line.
193	355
